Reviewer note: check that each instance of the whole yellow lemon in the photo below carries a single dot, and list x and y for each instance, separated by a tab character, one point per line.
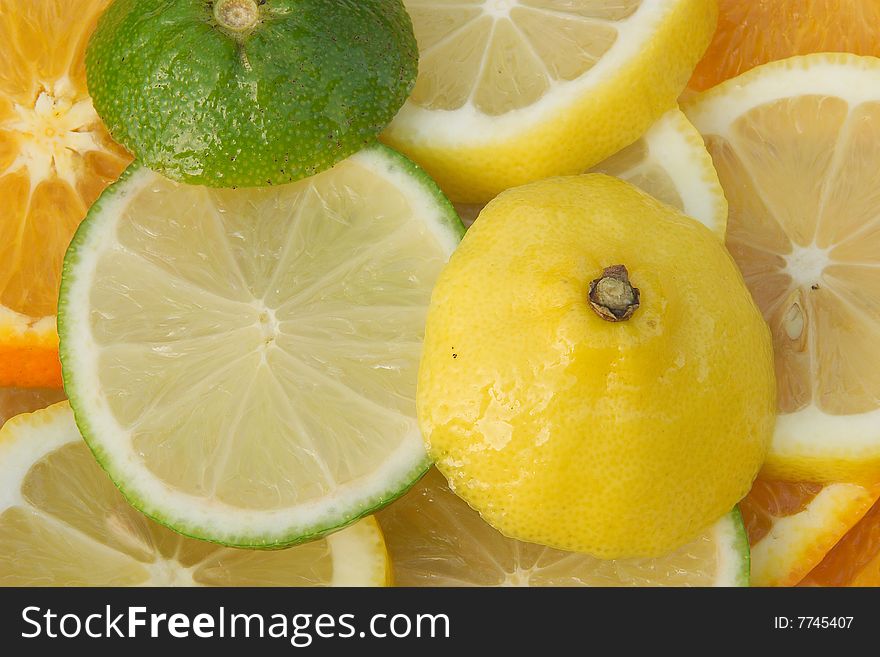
595	374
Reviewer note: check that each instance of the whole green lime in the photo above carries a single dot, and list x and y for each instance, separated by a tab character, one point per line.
231	93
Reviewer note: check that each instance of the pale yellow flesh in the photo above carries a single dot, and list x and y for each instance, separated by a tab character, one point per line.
435	539
502	55
72	527
802	176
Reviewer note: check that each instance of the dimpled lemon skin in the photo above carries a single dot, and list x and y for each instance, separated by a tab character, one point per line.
578	134
617	439
313	82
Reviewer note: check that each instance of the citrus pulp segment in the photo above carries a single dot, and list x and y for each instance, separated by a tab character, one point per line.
249	93
761	31
792	526
795	144
243	362
55	159
671	163
435	539
512	91
63	523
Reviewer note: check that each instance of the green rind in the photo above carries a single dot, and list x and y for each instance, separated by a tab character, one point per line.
72	387
744	576
314	82
732	539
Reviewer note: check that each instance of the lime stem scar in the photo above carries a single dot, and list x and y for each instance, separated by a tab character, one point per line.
236	15
612	296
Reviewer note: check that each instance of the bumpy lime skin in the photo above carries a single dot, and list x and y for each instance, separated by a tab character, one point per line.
313	82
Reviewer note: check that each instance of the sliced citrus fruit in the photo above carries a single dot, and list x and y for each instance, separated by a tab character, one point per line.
797	147
243	362
55	159
855	560
792	526
512	91
24	400
435	539
760	31
64	523
234	93
671	163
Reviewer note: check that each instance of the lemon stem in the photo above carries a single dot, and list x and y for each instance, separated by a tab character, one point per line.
236	15
612	296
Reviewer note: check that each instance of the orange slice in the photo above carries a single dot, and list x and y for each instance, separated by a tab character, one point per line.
792	526
754	32
855	560
56	157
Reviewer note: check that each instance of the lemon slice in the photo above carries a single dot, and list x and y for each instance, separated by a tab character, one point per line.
671	163
512	91
797	147
792	526
63	523
436	539
243	362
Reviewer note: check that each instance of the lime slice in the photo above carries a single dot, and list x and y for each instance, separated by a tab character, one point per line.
436	539
63	523
243	362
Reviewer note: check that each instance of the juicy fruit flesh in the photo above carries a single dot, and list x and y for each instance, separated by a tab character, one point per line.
638	471
55	155
72	527
801	176
759	31
283	336
435	539
502	55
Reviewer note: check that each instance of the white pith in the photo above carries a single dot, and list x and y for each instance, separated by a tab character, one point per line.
60	124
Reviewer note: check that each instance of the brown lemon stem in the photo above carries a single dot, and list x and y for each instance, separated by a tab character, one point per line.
612	296
237	15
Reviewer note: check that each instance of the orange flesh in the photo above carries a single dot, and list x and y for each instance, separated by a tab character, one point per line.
56	157
753	32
